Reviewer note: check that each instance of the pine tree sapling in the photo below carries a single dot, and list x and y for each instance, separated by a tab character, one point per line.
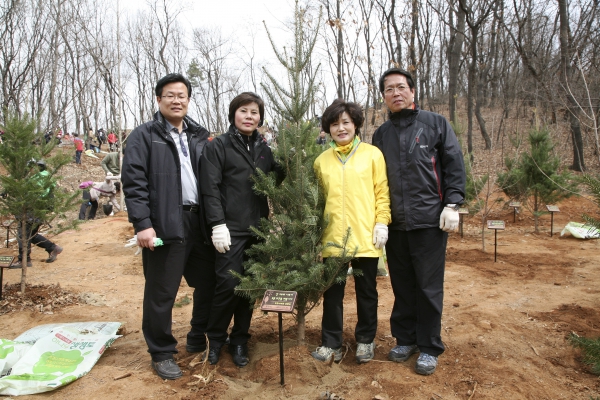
593	184
289	254
591	351
534	177
30	195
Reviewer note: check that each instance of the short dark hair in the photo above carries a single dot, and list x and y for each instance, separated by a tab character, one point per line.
337	108
243	99
391	71
170	78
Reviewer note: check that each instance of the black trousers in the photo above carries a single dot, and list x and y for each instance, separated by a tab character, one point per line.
332	324
31	230
226	304
416	261
163	269
83	209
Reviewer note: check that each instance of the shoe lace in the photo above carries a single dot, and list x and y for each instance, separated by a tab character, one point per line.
363	347
428	359
325	351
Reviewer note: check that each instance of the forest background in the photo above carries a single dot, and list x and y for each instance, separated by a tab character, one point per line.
509	65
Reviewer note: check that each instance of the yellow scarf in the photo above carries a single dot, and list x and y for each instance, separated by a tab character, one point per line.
344	151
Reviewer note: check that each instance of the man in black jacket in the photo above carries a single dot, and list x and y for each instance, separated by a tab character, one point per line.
426	176
161	189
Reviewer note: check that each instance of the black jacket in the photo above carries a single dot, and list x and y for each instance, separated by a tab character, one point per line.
228	164
425	167
151	176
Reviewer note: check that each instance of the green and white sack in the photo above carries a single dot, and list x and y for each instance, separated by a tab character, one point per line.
10	353
104	328
55	360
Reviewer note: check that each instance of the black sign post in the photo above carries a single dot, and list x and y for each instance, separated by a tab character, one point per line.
5	262
515	205
552	210
496	226
281	302
462	212
7	225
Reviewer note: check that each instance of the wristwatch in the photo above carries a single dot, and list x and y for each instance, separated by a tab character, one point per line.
455	207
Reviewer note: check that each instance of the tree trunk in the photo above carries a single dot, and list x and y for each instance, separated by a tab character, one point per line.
454	54
414	32
301	332
566	74
24	245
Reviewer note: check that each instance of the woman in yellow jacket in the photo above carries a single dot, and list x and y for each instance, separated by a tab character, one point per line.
353	176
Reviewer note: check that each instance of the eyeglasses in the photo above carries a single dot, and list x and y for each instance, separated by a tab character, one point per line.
171	98
393	89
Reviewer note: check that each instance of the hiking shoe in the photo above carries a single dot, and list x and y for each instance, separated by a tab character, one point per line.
323	353
19	264
402	353
426	364
54	253
167	369
365	352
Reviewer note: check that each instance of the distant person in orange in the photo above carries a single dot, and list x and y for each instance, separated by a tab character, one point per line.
112	142
79	147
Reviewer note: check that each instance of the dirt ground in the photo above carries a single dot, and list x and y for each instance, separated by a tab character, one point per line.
505	323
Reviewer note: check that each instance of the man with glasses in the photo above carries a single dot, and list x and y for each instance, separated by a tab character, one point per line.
160	181
426	176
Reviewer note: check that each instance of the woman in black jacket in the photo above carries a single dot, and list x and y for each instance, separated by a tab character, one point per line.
232	207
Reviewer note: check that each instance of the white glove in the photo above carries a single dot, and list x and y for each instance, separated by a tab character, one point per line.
380	235
449	218
220	238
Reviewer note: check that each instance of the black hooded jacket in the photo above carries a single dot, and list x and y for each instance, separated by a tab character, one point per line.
228	164
151	176
425	167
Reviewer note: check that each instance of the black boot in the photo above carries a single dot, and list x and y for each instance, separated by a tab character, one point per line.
240	354
214	350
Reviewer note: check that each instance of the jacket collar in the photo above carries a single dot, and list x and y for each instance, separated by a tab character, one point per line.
407	113
239	142
193	128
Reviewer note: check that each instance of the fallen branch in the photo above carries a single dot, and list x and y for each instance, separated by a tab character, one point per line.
534	350
473	394
125	375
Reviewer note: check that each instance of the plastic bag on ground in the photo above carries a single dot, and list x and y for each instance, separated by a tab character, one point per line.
34	334
581	231
55	360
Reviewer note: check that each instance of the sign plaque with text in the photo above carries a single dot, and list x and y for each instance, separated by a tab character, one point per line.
553	209
495	224
5	261
279	301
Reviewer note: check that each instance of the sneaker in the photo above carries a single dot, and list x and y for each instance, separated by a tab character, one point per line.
402	353
323	353
426	364
167	369
54	253
19	264
365	352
